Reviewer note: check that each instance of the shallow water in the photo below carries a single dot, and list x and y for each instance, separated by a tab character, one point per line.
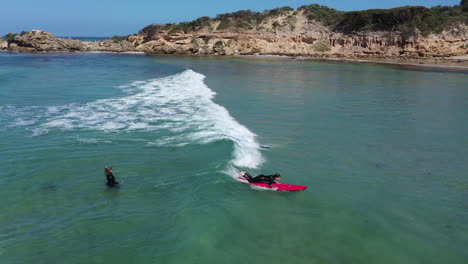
382	149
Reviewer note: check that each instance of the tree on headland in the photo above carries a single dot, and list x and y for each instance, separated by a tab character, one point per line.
10	37
118	38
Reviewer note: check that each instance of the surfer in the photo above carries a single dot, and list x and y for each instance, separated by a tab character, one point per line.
111	182
270	179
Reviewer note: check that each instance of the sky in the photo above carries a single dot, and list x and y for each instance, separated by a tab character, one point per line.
105	18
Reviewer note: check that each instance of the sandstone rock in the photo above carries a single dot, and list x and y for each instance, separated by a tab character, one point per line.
3	44
43	41
39	40
296	36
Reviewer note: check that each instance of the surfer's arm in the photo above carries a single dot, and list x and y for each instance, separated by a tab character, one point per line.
248	177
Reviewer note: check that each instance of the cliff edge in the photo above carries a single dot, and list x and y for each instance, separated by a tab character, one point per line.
317	31
409	32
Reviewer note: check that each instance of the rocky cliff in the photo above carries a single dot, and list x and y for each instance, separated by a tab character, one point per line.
42	41
316	31
294	33
3	44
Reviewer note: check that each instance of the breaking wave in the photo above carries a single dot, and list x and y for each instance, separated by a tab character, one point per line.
181	104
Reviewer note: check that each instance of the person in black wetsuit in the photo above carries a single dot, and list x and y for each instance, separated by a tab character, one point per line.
111	182
270	179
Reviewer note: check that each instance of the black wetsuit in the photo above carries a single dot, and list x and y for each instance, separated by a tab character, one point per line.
270	179
111	182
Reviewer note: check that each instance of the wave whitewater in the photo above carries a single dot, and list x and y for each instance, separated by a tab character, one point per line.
180	104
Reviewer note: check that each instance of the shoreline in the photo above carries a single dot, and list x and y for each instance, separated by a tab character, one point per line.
446	63
77	52
427	63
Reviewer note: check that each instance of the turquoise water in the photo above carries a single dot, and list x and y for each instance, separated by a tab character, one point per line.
382	149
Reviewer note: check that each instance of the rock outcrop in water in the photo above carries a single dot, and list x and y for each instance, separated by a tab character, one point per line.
316	31
39	40
43	41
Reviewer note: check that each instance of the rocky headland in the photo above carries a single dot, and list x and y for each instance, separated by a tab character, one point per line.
43	41
406	33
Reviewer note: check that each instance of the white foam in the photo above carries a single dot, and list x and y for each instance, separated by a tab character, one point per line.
181	103
39	131
22	122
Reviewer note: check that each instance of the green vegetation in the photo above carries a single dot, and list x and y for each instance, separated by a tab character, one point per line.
426	20
185	27
278	11
275	24
10	37
244	19
291	20
404	19
151	30
322	46
190	26
328	16
118	38
207	39
247	19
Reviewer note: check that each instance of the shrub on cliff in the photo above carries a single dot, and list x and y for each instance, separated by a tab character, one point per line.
244	19
322	46
404	19
278	11
194	25
200	22
326	15
426	20
10	37
151	30
119	38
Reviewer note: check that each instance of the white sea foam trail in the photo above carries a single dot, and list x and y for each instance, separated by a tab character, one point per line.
181	104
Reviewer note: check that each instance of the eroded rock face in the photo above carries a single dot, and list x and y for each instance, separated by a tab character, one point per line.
305	38
43	41
3	44
319	44
39	40
325	45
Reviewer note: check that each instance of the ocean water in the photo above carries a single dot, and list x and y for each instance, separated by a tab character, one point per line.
383	150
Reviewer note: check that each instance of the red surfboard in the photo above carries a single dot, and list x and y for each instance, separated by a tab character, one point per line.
276	186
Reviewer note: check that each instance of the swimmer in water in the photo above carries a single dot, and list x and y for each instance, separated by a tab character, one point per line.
111	182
